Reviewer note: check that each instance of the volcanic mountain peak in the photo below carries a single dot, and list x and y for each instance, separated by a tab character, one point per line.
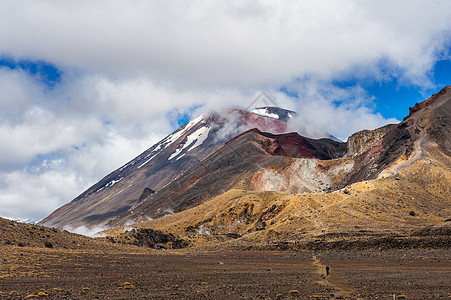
158	166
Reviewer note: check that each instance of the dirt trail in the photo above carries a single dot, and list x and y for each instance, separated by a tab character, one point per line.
341	291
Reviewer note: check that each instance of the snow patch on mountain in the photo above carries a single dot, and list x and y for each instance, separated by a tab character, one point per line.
147	160
170	139
154	152
264	112
127	165
176	135
113	182
197	137
180	156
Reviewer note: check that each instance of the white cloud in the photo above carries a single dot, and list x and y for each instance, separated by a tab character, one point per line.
237	43
32	195
130	66
92	231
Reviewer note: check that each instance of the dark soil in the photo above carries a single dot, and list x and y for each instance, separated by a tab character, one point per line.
93	274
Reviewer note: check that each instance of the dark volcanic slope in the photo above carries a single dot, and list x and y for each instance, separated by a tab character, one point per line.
437	120
233	164
156	167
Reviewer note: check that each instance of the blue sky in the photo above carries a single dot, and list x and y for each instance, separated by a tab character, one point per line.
392	98
45	72
86	86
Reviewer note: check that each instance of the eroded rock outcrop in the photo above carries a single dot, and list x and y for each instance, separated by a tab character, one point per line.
364	140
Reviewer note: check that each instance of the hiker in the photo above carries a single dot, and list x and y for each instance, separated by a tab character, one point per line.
327	271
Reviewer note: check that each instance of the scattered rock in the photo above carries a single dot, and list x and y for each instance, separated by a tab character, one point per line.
233	235
48	244
179	244
129	286
412	213
159	247
260	226
146	193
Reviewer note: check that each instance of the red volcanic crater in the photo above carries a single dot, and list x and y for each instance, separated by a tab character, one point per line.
295	145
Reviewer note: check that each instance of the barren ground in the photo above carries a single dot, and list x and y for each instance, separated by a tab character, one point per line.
100	274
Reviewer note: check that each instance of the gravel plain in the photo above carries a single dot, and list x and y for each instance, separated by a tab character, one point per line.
98	274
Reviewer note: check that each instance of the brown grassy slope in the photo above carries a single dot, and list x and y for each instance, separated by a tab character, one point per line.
14	235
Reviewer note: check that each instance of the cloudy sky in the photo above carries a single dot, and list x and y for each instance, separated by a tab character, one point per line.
85	86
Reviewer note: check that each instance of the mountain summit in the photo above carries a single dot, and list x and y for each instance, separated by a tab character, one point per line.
160	164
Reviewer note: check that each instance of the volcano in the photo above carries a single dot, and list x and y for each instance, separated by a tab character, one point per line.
159	165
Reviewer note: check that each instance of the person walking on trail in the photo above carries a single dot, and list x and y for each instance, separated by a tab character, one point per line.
327	271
